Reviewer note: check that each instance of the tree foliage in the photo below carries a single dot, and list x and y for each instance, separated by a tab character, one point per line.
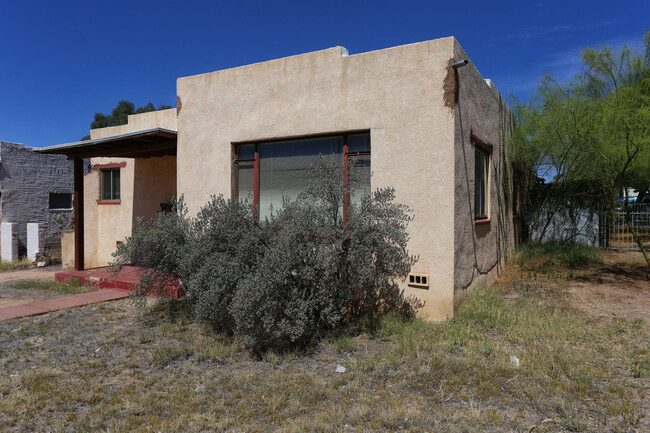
590	137
291	278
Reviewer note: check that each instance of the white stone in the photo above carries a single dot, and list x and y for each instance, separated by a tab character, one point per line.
340	369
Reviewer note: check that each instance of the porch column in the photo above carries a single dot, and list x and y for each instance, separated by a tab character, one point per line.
78	214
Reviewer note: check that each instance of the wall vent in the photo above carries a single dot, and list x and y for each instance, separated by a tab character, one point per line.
418	280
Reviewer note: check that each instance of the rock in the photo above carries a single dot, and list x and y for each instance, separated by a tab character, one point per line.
514	361
340	369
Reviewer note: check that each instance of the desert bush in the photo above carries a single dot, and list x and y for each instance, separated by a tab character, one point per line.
158	245
292	278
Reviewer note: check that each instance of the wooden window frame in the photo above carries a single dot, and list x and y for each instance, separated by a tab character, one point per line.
485	149
256	164
102	170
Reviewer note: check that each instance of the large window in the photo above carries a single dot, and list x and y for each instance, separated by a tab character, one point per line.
266	172
481	183
110	184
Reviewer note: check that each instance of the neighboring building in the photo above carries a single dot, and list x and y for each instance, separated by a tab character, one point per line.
433	129
35	189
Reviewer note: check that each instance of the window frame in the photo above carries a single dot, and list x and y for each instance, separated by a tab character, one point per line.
110	168
484	149
59	209
346	154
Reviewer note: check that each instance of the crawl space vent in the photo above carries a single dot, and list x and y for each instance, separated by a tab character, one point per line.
418	280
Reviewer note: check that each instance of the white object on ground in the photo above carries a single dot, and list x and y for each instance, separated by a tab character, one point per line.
340	369
514	361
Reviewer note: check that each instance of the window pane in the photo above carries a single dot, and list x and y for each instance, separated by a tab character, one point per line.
284	165
359	178
60	201
246	151
245	180
116	184
106	184
480	183
359	143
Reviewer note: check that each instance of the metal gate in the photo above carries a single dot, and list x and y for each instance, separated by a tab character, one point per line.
616	235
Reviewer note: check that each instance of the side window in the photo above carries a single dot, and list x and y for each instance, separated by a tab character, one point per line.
110	184
60	201
481	183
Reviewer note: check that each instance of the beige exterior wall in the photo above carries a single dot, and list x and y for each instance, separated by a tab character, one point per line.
396	93
165	119
144	184
67	249
480	249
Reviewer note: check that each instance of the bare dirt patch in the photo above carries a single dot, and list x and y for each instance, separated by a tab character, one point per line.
620	288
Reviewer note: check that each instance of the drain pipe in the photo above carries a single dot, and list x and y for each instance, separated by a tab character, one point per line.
460	63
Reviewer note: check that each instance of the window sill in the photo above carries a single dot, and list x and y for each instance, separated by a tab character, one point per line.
109	201
482	221
61	210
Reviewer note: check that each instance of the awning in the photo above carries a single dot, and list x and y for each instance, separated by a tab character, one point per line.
139	144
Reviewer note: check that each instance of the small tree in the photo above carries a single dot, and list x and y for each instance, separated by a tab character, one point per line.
591	136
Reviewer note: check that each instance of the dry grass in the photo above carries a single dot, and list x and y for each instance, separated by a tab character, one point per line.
20	264
164	373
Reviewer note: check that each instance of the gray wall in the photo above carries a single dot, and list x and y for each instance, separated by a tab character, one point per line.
26	180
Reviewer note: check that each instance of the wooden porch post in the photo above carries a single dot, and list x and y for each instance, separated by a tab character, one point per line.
78	214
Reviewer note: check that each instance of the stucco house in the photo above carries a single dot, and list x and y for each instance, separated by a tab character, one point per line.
419	117
35	191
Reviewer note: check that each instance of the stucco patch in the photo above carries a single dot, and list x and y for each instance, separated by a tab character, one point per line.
179	104
449	86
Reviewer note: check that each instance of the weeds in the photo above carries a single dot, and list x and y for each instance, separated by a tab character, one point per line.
546	257
72	287
20	264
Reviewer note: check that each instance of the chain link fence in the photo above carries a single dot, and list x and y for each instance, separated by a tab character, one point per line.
603	229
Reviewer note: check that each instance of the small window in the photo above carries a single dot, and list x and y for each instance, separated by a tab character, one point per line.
110	185
481	177
60	201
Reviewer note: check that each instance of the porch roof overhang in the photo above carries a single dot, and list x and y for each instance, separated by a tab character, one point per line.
139	144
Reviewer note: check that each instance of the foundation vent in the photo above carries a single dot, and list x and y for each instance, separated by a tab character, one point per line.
418	280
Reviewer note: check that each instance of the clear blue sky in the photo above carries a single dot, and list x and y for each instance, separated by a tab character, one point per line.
61	61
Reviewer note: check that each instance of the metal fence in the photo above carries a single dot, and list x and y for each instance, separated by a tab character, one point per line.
604	229
617	235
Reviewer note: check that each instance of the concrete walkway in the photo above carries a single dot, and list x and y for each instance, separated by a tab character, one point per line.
54	304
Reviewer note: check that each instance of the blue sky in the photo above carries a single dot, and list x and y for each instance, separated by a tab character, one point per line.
62	61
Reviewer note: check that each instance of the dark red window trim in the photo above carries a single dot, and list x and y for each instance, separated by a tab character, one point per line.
109	201
256	161
110	166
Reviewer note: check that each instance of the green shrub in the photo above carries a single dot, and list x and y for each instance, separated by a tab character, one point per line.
542	256
287	280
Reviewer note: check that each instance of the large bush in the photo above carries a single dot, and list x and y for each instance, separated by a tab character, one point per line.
284	281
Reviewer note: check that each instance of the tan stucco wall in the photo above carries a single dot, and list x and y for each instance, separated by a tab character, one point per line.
396	93
154	183
67	249
165	119
106	224
480	249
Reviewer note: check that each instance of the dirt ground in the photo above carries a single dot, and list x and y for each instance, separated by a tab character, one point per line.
621	288
103	367
9	296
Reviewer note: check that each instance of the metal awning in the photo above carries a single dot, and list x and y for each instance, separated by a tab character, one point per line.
139	144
